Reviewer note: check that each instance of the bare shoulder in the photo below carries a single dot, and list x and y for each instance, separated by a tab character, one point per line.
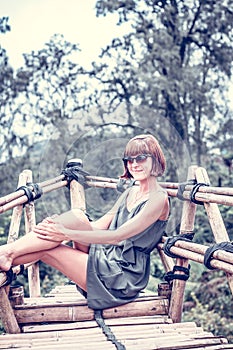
166	204
159	203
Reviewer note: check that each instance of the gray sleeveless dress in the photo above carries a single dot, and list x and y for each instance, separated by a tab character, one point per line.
117	273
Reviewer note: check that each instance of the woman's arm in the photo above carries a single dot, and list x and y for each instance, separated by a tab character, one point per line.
150	213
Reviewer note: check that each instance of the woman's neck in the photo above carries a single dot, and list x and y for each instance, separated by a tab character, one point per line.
148	185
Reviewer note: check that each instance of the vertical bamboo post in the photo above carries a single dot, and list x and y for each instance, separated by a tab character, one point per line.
187	225
77	199
215	219
17	212
30	222
167	261
77	194
8	318
164	288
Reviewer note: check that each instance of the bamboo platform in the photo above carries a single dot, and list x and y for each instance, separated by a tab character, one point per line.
62	319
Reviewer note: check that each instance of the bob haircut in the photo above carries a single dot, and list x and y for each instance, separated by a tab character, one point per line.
145	144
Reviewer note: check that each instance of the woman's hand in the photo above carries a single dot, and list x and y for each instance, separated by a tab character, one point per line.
50	231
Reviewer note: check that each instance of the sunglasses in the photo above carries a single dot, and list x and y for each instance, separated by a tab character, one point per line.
139	159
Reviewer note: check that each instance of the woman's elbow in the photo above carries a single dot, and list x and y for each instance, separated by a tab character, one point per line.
113	241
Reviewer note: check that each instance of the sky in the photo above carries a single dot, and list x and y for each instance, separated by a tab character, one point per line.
34	22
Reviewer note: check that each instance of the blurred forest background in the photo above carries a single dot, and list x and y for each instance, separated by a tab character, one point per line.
169	75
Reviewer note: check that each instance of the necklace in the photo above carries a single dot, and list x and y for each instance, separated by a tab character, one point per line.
139	195
135	198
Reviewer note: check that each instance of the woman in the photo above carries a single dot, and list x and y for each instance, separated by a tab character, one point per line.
110	260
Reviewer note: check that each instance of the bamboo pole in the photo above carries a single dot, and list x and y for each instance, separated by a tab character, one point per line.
167	261
8	318
210	198
228	191
16	213
10	197
77	200
77	196
19	201
19	193
178	287
215	219
30	222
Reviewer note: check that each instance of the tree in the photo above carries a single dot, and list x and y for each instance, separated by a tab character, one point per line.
176	59
50	88
4	26
6	76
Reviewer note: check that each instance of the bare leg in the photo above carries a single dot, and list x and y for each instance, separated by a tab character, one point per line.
69	261
30	243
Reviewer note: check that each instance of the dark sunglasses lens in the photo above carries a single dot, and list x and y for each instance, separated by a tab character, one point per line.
141	158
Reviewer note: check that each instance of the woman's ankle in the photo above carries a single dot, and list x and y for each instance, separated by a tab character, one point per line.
6	258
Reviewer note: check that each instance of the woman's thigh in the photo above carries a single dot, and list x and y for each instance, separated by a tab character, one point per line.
69	261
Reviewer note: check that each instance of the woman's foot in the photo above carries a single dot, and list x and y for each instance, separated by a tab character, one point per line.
6	277
5	260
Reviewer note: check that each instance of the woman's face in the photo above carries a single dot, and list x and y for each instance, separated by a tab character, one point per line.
140	167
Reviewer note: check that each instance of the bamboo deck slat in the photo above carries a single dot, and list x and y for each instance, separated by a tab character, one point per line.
127	321
145	332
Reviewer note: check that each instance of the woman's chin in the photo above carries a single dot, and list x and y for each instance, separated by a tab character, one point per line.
139	176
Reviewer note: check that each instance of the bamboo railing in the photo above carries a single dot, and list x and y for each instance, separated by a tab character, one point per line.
207	194
210	196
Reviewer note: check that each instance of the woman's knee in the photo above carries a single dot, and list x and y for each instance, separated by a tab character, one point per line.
74	219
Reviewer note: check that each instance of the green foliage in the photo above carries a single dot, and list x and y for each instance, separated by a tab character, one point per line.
213	304
50	278
171	59
209	320
50	87
4	227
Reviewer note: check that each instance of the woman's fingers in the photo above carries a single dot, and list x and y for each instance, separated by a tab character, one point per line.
48	238
52	232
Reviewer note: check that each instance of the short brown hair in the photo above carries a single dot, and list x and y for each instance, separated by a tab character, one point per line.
145	144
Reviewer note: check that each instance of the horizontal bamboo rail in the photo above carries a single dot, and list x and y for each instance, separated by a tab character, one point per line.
206	194
194	251
71	311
